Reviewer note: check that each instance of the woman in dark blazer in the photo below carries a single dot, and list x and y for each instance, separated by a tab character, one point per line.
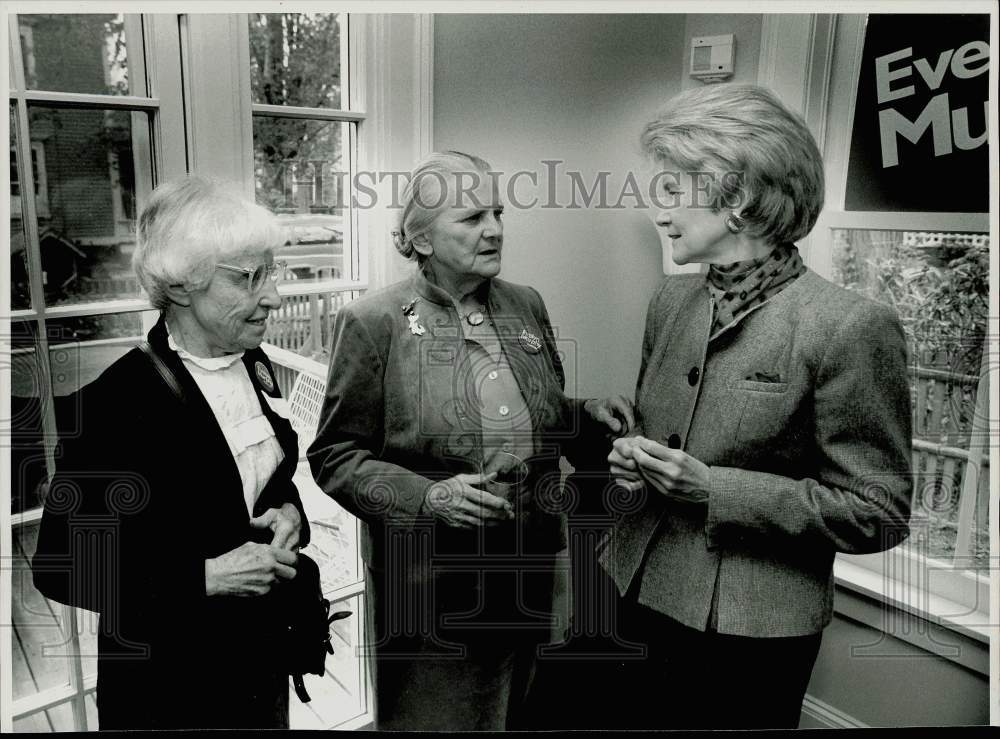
773	425
442	429
172	512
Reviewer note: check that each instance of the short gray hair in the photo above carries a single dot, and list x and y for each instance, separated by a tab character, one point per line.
191	224
425	196
758	154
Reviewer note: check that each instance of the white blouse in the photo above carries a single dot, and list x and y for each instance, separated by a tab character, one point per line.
227	387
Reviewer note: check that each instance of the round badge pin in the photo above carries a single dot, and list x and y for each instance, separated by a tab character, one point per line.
264	376
475	318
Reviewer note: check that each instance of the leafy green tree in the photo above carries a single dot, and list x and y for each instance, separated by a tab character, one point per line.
294	60
951	323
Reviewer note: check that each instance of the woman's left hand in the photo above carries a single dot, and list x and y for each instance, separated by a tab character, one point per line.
672	472
285	524
614	412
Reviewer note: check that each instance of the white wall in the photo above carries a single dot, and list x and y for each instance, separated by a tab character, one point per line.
518	89
746	33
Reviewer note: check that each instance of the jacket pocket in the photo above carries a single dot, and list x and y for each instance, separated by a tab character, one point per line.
764	413
758	386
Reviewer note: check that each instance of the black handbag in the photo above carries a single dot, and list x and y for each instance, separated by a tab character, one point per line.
306	619
303	612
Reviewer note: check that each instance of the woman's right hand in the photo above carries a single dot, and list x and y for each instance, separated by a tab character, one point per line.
249	570
457	503
624	469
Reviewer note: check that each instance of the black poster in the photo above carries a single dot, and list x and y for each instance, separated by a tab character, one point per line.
919	141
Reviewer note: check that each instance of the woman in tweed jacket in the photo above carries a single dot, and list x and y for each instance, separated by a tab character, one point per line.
773	425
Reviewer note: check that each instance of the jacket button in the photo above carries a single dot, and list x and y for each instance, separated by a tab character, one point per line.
674	441
693	376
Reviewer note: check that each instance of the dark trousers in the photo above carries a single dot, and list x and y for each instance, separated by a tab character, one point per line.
695	679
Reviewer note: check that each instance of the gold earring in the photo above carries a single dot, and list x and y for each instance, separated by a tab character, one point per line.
735	223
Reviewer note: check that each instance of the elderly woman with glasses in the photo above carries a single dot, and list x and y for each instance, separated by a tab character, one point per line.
773	426
442	429
172	512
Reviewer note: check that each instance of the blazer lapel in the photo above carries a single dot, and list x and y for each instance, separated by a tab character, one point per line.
198	420
265	382
678	352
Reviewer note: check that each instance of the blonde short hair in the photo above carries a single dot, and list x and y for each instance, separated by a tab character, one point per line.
191	224
758	155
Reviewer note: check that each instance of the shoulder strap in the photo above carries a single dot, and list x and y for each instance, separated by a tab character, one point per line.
163	370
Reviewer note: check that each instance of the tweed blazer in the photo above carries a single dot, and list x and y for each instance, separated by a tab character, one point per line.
400	414
802	413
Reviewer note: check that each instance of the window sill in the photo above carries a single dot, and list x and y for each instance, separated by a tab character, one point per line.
316	287
930	622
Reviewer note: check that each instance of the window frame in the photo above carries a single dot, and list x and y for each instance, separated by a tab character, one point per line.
352	47
391	56
41	181
155	142
935	590
352	113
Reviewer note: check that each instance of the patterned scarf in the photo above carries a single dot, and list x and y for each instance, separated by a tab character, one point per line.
740	287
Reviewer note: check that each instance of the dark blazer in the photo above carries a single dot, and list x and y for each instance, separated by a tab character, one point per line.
146	489
802	412
400	413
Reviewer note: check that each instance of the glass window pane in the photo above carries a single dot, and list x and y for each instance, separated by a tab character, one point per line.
334	531
92	724
41	638
87	625
938	284
33	724
76	53
81	348
339	695
28	395
300	173
86	200
304	324
295	59
20	295
58	718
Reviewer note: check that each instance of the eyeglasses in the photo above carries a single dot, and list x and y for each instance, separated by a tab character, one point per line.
275	272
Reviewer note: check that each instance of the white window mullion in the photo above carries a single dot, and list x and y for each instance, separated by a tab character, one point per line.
398	77
162	45
76	681
314	114
217	105
352	242
244	102
978	446
138	79
31	243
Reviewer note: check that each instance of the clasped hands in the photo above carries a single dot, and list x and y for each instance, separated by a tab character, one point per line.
459	501
252	569
637	461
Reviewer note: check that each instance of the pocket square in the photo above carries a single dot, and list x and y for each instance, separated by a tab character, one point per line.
764	377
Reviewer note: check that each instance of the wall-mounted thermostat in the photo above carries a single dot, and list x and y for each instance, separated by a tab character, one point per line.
712	57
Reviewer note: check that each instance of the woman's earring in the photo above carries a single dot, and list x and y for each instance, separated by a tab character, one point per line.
735	223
